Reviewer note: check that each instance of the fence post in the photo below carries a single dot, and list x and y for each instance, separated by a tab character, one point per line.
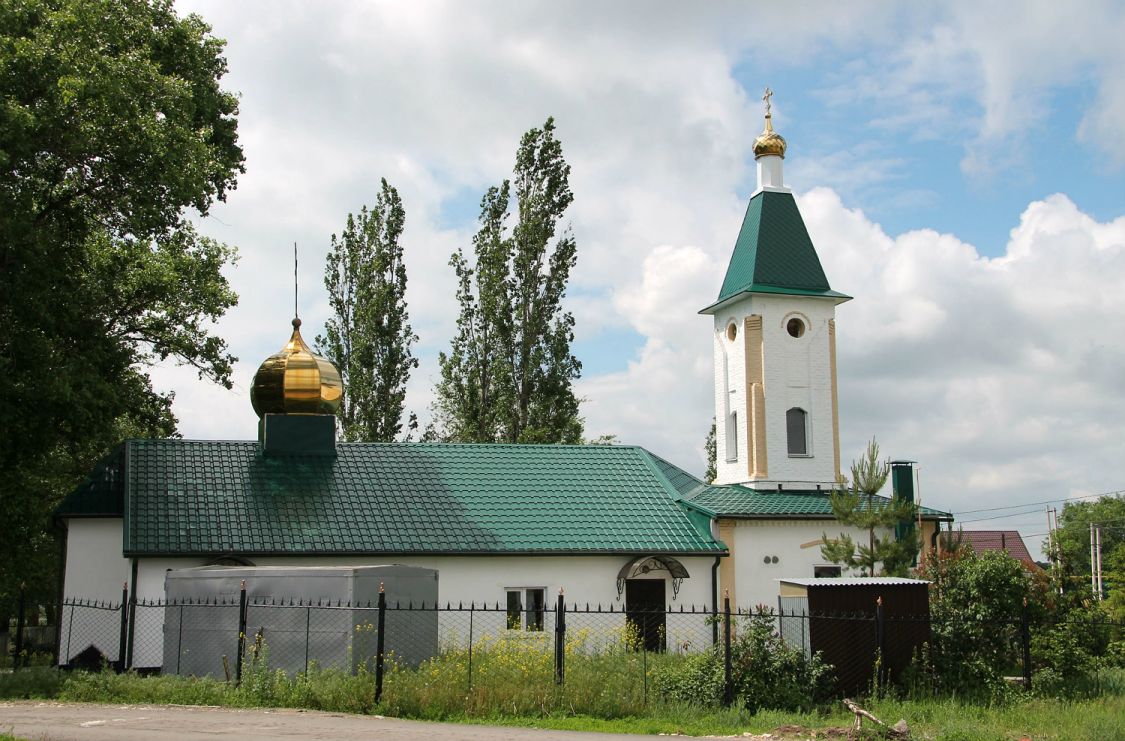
69	632
380	637
132	635
241	633
560	639
179	639
123	634
17	657
308	628
881	643
1025	636
728	682
472	605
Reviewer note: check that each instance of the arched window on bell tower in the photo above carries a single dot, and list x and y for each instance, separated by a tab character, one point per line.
797	431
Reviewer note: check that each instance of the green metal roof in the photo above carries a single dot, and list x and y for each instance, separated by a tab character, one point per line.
102	494
774	254
743	502
203	497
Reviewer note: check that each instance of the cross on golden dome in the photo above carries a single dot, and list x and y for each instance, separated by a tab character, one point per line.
769	142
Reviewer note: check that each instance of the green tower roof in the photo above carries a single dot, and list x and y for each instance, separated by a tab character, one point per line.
774	253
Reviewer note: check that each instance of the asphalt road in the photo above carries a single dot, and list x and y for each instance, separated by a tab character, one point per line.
52	721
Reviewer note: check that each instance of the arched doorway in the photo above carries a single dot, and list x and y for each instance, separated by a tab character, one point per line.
645	597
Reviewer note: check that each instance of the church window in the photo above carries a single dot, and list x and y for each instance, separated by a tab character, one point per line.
796	429
732	331
826	572
795	327
526	608
732	437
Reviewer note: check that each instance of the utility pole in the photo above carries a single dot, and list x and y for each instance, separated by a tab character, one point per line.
1098	551
1055	550
1093	564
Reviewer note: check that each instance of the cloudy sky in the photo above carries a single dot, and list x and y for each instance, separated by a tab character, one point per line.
960	169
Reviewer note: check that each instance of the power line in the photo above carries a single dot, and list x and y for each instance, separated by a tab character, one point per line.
1046	501
1000	517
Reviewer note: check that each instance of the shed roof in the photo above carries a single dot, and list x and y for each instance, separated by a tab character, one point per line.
851	581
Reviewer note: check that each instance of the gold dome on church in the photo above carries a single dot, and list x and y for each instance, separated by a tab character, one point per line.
295	380
769	141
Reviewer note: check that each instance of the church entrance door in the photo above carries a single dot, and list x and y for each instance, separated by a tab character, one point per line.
644	612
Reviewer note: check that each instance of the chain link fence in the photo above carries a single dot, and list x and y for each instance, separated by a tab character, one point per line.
404	646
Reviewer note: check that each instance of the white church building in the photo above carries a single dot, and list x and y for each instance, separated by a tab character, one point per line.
514	524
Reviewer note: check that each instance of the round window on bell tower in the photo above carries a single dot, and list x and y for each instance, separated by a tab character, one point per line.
732	331
795	327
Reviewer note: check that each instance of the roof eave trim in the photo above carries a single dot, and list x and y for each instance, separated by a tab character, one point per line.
835	296
803	516
717	550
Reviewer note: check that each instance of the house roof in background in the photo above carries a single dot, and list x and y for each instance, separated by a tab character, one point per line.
994	540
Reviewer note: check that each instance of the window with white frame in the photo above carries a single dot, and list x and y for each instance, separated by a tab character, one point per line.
527	607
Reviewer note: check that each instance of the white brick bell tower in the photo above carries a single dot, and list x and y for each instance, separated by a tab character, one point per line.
776	417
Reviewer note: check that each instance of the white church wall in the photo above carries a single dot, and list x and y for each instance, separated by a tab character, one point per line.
756	540
479	579
94	571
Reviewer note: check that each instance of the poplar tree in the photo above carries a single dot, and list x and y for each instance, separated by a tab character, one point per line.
857	505
369	337
509	374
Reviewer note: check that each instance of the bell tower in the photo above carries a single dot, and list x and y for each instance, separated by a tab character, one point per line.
776	411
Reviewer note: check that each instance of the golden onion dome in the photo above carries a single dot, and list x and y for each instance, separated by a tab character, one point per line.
769	141
295	380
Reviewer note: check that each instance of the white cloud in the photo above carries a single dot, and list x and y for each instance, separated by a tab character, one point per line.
1002	375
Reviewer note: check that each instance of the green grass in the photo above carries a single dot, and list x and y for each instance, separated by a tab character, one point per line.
512	687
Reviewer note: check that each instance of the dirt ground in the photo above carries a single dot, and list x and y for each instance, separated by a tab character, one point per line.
53	721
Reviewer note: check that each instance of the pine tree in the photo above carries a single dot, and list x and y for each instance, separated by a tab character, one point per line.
509	374
368	337
857	505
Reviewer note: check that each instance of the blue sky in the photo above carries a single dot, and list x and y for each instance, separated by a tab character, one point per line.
960	168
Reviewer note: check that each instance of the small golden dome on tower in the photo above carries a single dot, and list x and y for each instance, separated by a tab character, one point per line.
295	380
769	142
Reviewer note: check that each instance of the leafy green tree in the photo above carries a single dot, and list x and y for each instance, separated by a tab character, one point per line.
860	506
710	447
509	374
975	604
1073	548
112	123
369	337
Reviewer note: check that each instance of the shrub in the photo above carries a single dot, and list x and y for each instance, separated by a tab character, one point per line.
765	671
34	683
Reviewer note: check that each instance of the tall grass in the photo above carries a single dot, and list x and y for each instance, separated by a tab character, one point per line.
512	683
